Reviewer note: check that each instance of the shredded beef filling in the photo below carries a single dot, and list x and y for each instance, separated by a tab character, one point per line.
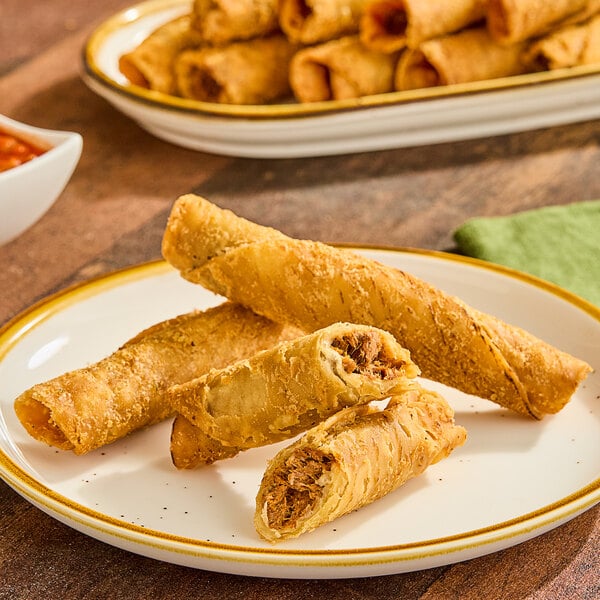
296	487
364	353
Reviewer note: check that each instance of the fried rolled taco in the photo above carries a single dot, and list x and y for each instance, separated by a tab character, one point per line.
286	389
469	55
391	25
150	65
87	408
191	447
251	72
511	21
220	22
340	69
566	47
311	285
355	457
313	21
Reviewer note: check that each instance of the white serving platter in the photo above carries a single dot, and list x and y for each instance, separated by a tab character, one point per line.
393	120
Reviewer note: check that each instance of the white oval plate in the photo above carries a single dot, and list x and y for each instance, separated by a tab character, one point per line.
393	120
515	478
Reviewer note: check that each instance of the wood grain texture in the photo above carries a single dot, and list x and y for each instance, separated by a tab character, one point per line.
112	215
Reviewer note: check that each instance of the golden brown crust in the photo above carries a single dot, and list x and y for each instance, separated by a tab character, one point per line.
150	64
511	21
354	458
250	72
391	25
312	285
568	46
469	55
220	22
383	25
313	21
340	69
284	390
191	447
87	408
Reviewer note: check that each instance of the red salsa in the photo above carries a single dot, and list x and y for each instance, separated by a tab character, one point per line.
15	151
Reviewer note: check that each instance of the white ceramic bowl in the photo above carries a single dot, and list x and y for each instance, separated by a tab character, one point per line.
29	190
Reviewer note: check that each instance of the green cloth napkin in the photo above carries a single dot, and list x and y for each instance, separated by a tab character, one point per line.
559	243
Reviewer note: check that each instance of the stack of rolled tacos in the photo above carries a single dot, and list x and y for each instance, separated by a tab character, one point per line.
360	452
358	455
311	285
311	341
262	51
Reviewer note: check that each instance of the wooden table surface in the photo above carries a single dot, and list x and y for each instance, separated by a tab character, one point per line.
112	215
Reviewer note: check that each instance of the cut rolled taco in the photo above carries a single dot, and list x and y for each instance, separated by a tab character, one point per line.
285	390
355	457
